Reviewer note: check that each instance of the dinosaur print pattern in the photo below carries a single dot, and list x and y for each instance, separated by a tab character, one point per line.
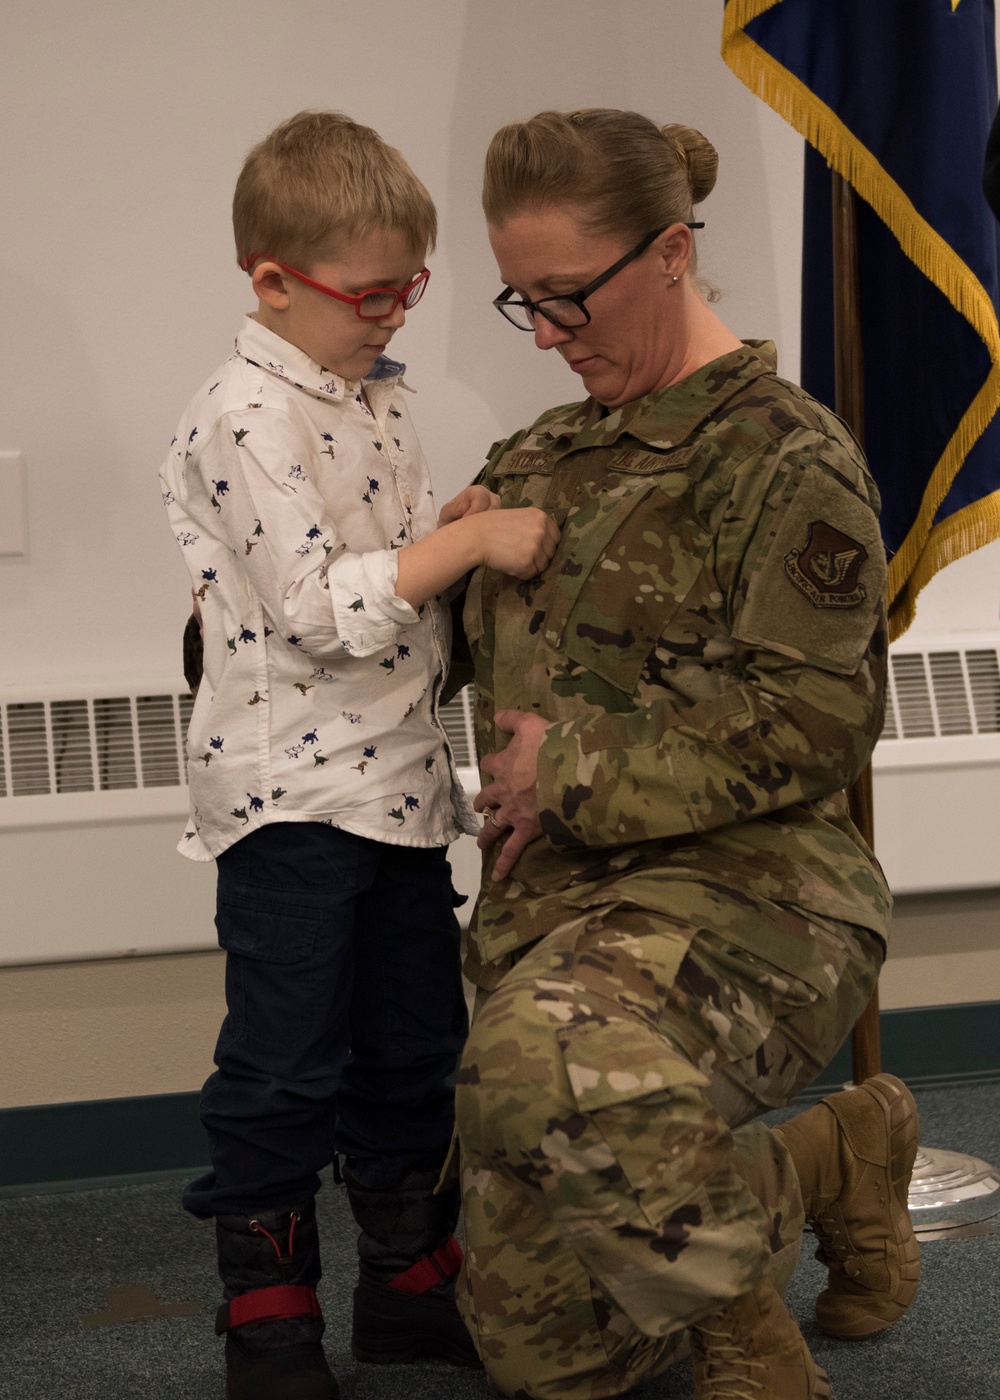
289	491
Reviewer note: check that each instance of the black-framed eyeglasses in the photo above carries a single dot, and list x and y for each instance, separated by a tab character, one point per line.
568	311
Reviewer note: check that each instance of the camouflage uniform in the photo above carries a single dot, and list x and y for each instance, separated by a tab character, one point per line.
701	924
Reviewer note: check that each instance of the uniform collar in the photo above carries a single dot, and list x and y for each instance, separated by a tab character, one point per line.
263	348
666	417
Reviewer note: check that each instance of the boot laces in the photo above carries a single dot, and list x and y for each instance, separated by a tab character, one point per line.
834	1245
832	1237
729	1370
257	1228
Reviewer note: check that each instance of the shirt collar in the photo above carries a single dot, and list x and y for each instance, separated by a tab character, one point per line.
268	351
667	417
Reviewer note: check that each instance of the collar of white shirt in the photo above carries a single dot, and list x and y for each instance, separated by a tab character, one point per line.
267	351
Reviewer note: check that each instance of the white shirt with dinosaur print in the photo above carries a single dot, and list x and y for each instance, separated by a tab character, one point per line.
289	498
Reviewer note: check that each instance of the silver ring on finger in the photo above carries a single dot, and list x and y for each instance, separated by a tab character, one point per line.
489	814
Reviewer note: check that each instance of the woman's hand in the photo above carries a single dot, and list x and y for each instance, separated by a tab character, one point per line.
468	502
511	799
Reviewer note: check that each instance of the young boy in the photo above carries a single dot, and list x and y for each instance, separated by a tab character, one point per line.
321	780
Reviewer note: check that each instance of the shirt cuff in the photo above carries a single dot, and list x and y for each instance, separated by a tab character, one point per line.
367	611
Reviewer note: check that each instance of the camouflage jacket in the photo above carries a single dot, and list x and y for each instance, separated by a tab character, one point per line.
709	644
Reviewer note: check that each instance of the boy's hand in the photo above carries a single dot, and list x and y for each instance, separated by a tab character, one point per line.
520	541
468	502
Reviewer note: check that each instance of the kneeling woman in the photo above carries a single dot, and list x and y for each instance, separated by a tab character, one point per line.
680	924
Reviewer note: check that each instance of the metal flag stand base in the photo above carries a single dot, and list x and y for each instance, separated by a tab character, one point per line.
953	1195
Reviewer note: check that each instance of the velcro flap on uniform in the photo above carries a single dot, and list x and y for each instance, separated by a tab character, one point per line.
619	1061
817	582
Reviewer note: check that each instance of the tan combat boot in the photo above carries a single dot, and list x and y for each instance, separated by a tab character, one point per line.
853	1153
753	1350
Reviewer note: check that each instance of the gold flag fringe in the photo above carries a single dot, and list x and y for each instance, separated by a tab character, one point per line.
926	548
967	530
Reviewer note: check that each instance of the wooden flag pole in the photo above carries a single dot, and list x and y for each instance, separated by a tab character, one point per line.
866	1044
948	1182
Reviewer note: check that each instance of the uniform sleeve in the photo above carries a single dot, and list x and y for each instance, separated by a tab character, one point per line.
802	564
324	599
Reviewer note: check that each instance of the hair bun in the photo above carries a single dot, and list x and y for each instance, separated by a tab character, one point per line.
698	155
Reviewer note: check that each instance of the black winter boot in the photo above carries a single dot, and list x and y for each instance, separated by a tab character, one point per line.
269	1264
404	1304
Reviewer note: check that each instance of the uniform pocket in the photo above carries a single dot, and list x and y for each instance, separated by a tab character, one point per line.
650	1126
612	1065
625	574
636	1165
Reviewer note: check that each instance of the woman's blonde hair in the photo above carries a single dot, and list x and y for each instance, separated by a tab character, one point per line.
319	181
625	175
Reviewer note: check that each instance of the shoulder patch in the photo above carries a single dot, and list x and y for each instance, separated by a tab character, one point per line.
813	577
826	567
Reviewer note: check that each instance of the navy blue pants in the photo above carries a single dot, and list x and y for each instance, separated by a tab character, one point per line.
345	1019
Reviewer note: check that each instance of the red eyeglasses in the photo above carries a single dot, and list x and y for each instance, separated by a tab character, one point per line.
372	305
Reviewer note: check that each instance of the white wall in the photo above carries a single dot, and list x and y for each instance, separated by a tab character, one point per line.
124	128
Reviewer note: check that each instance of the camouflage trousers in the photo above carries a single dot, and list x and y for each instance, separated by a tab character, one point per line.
611	1195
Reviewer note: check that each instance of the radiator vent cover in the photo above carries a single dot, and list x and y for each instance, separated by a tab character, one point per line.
116	754
97	743
456	718
106	754
943	692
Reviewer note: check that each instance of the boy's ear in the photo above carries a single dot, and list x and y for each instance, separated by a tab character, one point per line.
270	285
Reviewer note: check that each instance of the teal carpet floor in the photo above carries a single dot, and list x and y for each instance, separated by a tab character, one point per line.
61	1251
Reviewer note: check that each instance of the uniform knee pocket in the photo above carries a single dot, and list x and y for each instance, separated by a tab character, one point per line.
586	1107
648	1105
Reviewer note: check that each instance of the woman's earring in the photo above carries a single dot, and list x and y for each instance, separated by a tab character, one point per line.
675	278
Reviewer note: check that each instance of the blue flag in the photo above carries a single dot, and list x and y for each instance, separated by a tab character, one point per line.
898	97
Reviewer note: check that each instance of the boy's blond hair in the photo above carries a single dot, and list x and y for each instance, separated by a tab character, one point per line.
320	181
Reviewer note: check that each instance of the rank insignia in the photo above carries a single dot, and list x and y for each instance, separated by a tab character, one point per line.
826	568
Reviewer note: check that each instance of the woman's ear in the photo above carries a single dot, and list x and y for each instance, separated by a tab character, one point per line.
674	249
270	285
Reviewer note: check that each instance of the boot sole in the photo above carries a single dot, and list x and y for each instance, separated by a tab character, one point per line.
899	1112
403	1350
301	1393
390	1329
